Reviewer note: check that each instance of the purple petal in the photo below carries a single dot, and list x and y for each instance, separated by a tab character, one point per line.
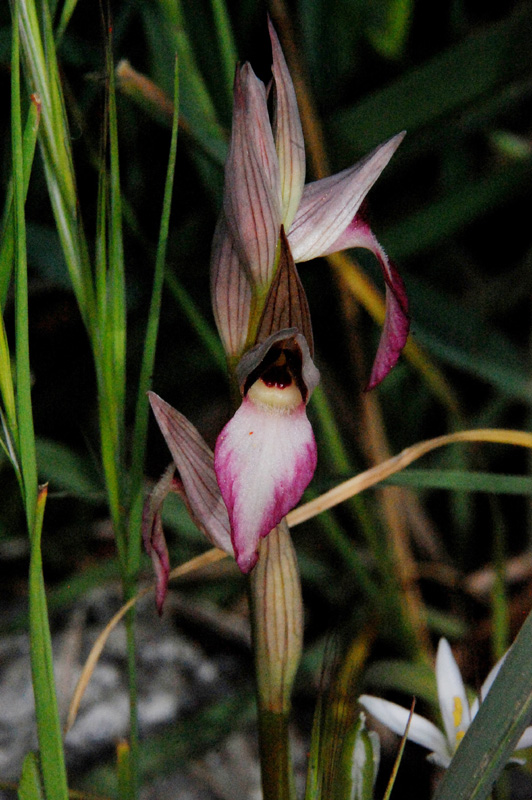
230	291
195	463
396	322
286	305
252	197
288	134
153	534
265	457
329	205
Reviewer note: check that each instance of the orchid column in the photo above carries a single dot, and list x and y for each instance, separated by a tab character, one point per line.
266	454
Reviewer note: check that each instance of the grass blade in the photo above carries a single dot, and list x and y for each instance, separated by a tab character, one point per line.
26	437
228	53
462	75
30	782
142	408
43	77
48	726
7	243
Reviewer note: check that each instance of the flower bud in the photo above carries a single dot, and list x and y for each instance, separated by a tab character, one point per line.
277	611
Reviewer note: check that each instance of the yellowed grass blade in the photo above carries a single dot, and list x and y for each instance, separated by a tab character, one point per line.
399	755
372	476
305	512
210	557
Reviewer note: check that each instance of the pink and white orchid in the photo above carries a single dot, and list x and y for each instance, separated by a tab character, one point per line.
266	454
265	188
457	714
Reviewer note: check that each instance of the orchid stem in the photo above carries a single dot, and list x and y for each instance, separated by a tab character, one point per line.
277	630
275	759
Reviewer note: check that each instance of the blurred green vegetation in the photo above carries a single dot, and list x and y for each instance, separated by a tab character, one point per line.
451	209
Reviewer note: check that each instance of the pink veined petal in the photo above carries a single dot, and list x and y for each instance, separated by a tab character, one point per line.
264	459
153	534
252	196
195	463
395	717
451	694
329	205
396	321
230	291
288	134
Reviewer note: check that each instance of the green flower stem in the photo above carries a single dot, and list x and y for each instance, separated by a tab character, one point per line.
275	759
277	625
134	754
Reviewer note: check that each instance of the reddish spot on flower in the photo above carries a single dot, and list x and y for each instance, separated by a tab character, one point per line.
277	376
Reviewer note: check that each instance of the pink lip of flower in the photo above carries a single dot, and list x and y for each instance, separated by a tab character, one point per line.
266	455
264	458
265	188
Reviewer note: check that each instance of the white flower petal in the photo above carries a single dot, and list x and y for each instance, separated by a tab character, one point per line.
264	460
525	740
329	205
451	695
395	717
439	759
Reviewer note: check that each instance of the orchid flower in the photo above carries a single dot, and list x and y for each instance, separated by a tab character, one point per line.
266	454
265	189
456	712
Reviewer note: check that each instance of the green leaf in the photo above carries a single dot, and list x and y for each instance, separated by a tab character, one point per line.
42	669
462	75
150	344
64	469
7	237
7	389
24	415
66	12
461	480
42	74
404	676
226	41
437	221
167	35
30	787
389	31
